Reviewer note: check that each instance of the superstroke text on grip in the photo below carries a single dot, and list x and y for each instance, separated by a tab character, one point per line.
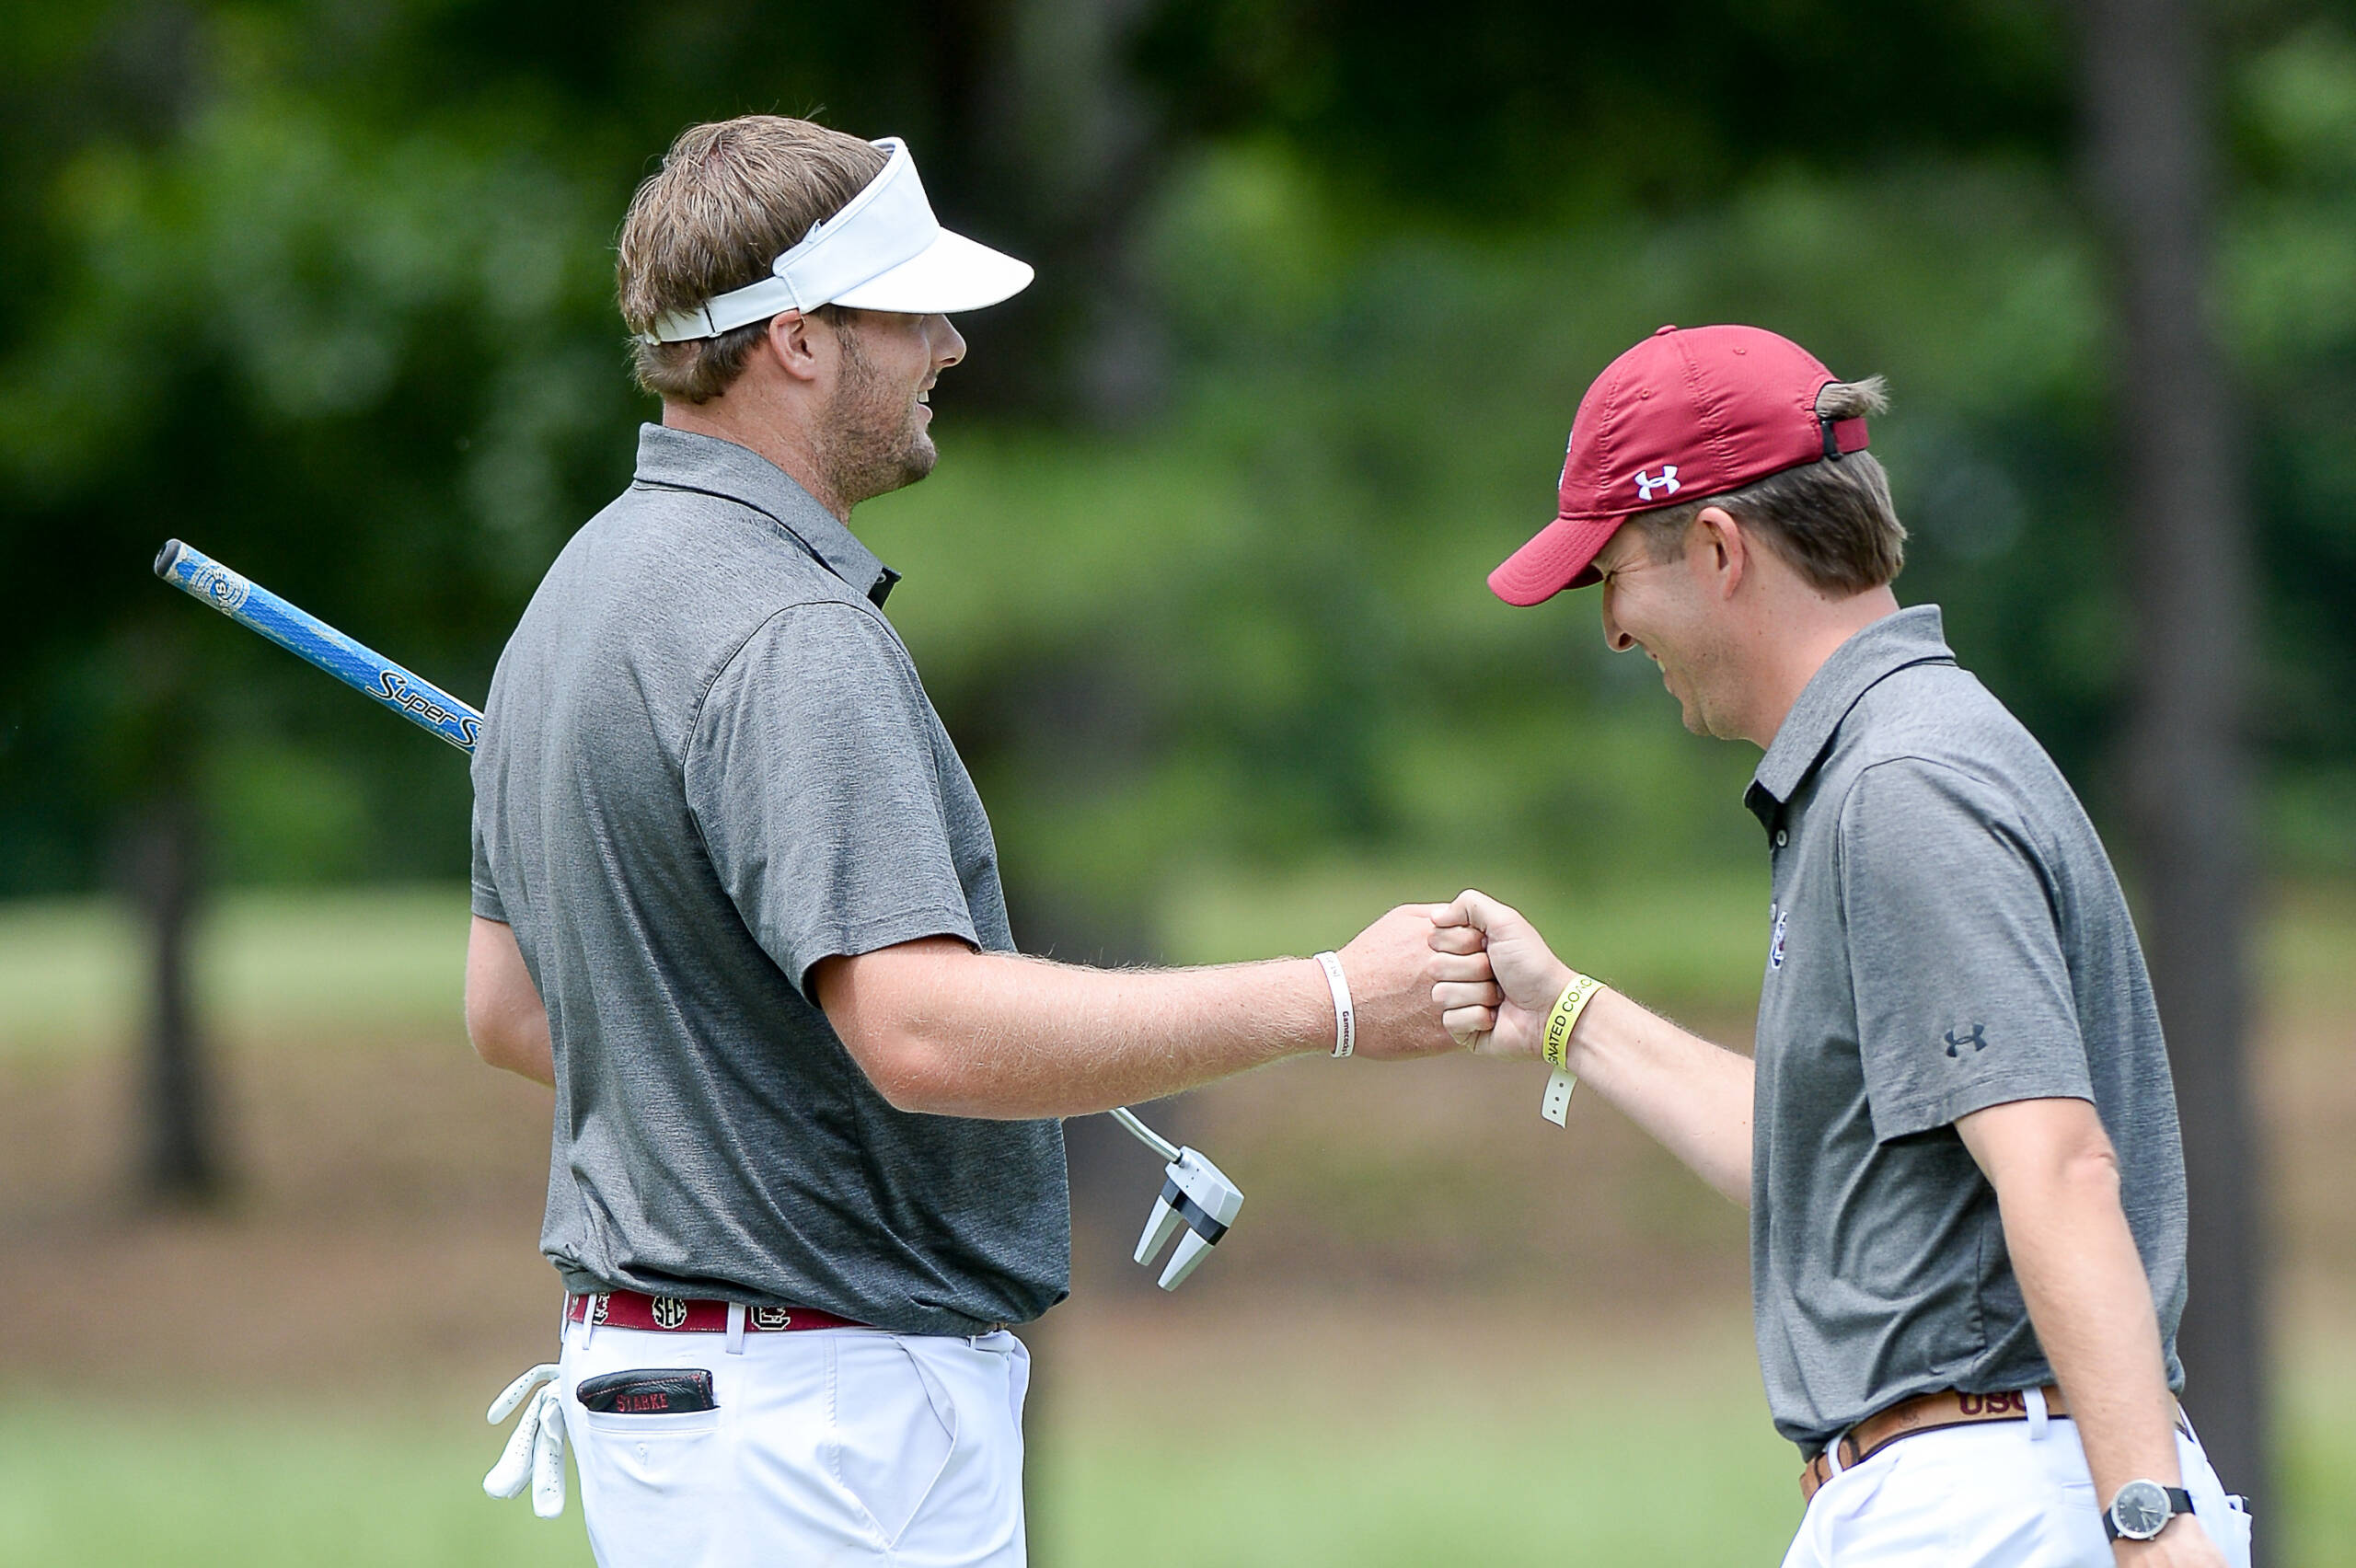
310	638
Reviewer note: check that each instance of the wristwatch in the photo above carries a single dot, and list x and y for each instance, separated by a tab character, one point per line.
2142	1510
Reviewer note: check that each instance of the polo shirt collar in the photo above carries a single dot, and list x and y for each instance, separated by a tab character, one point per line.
679	459
1889	645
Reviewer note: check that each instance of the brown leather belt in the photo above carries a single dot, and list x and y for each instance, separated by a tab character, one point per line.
1927	1413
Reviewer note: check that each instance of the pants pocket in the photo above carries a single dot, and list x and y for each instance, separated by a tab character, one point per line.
2232	1532
649	1489
650	1446
894	1428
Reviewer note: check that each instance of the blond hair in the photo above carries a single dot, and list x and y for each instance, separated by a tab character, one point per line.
730	197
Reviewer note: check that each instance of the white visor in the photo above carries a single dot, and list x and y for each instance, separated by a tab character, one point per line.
884	251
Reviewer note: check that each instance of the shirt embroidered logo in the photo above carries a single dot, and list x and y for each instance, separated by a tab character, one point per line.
1775	944
1977	1040
1665	483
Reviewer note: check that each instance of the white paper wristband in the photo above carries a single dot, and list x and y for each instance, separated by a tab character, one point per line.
1346	1019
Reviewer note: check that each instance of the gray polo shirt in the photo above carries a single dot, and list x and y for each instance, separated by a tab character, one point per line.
1945	935
707	763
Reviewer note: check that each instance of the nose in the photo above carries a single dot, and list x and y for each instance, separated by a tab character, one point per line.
1615	637
948	343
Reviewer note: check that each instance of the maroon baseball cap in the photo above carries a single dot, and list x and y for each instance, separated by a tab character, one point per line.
1693	412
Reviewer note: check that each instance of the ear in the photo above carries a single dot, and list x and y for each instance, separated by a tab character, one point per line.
1719	549
792	339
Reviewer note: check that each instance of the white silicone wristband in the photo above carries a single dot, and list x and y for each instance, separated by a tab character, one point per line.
1346	1020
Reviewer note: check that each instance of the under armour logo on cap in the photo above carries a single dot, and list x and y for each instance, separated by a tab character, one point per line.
1735	403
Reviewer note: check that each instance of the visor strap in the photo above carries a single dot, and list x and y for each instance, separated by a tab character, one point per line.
886	224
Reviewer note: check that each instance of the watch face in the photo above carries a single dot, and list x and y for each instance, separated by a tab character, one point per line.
2140	1510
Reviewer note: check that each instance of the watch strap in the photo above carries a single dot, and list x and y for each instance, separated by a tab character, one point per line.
2179	1502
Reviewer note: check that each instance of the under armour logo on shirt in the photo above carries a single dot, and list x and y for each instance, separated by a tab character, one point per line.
1665	482
1977	1040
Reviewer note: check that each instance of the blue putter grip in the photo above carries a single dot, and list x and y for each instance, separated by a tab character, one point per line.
307	637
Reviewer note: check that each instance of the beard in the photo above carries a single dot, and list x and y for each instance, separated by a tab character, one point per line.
874	441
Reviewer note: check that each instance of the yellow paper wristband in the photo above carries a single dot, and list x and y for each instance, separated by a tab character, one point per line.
1565	1017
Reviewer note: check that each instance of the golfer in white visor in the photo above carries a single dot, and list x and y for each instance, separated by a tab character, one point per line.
786	1302
736	896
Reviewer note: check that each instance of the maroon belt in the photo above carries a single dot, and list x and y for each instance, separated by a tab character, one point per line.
676	1314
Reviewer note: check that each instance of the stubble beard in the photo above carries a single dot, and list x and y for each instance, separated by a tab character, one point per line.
875	442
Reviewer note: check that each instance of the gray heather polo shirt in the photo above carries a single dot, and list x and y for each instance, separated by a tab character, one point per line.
1947	935
707	764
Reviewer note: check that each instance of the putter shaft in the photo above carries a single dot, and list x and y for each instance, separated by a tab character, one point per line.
1143	1133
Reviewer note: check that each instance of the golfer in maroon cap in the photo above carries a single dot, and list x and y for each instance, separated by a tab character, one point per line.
1957	1133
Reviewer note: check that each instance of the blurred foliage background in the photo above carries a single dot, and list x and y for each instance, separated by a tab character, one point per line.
324	287
326	290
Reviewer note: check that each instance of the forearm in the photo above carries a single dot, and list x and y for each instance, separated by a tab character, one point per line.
1499	984
2091	1303
998	1035
1693	1097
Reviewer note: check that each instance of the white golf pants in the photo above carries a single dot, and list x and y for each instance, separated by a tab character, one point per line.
830	1446
2006	1495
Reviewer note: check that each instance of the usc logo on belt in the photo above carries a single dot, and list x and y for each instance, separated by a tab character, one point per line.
1993	1404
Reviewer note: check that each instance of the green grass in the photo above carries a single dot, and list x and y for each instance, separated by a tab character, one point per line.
71	974
1691	1483
2309	944
1686	1478
1425	1486
383	960
193	1489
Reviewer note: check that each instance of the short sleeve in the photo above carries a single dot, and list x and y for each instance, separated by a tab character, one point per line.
1963	994
813	778
486	899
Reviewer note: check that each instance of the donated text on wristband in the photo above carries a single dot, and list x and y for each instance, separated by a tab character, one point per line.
1346	1020
1556	1044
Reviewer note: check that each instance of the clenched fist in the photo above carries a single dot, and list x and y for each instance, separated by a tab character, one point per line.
1498	979
1395	975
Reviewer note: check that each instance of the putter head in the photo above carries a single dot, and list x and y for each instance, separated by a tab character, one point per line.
1198	1204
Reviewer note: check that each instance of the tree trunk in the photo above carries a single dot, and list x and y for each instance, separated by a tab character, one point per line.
180	1164
1044	128
2185	536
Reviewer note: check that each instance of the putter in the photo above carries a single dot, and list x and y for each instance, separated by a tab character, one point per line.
1193	1191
